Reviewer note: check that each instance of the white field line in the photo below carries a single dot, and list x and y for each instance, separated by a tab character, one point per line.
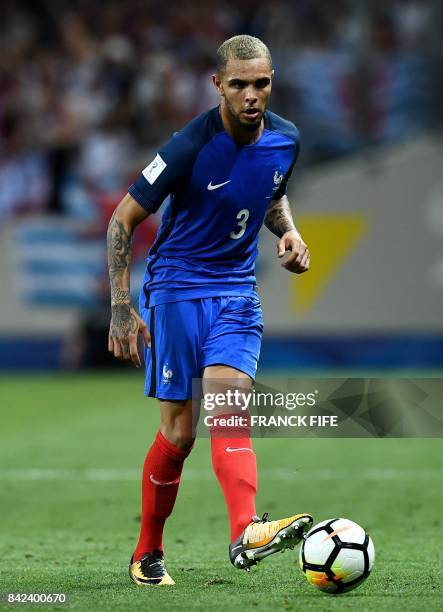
118	474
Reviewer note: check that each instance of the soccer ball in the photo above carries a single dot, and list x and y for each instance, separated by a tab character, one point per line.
337	555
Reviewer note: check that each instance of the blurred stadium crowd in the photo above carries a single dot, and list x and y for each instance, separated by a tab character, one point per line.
89	89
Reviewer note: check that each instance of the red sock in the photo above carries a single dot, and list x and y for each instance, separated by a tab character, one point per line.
161	476
236	471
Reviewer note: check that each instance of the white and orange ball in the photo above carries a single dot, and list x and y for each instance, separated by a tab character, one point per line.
336	555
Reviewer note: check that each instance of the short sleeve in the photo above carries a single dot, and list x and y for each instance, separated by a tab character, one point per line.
165	173
281	191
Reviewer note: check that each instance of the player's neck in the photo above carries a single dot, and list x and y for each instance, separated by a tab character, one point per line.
239	134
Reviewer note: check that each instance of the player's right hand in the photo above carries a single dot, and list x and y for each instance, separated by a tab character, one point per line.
300	258
125	327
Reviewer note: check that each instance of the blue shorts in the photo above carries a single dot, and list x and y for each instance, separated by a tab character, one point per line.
190	335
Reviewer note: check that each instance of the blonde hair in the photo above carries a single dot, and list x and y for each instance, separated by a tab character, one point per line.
241	47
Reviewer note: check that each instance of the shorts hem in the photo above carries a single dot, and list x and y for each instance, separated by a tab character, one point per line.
251	375
169	396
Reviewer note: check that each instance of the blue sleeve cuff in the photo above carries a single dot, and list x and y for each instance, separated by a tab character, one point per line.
150	207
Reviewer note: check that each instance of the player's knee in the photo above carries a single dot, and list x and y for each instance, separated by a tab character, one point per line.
178	434
176	423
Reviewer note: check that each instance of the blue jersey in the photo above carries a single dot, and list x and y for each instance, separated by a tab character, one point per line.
220	191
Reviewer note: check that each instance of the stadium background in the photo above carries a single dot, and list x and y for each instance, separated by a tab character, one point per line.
87	92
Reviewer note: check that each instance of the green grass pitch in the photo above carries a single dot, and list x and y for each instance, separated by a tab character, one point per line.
71	451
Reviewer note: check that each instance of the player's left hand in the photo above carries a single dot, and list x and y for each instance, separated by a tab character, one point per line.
299	259
125	327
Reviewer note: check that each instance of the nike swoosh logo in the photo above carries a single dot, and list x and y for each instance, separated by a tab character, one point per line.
239	546
334	533
163	484
211	187
233	450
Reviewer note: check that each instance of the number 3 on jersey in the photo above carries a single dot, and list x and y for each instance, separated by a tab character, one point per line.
242	217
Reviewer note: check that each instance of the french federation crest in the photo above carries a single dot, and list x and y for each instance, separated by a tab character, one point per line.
167	374
278	177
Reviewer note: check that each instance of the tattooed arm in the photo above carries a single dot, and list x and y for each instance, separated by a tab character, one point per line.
125	322
279	217
279	221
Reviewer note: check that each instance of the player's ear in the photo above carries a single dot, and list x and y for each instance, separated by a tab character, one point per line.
217	83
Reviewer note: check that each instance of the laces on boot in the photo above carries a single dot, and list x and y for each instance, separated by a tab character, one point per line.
263	519
152	563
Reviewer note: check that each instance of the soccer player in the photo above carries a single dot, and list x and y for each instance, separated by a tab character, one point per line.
226	173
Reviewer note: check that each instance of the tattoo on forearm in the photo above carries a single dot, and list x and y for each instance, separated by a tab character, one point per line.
120	296
123	321
279	218
119	249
